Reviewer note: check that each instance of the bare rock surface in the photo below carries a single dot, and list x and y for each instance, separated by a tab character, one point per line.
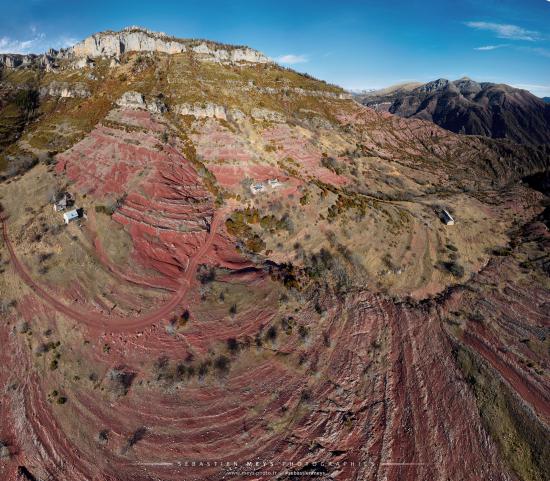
136	101
136	39
266	114
65	90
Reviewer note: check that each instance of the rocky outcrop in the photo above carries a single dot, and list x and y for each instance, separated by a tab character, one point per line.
132	100
136	39
296	90
65	90
47	61
232	55
214	111
209	110
156	106
269	115
112	45
137	101
202	111
83	62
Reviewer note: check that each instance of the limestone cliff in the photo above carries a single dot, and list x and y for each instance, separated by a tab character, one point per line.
65	90
46	60
137	101
136	39
133	39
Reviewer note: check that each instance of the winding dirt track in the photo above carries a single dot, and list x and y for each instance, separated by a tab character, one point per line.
116	323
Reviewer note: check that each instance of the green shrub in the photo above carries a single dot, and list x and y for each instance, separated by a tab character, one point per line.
27	99
271	334
221	364
232	345
454	268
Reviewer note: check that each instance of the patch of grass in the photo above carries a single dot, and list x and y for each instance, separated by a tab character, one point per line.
501	251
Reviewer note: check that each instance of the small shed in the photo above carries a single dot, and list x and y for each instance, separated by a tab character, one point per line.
447	218
71	215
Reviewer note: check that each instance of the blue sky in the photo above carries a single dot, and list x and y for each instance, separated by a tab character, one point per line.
356	44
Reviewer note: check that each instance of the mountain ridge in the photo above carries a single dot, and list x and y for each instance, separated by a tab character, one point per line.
469	107
113	44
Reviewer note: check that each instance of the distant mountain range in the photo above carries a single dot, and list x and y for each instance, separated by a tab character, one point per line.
468	107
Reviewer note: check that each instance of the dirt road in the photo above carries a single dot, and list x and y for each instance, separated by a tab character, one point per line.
115	323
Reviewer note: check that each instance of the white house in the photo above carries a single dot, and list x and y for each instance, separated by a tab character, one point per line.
70	216
447	218
274	183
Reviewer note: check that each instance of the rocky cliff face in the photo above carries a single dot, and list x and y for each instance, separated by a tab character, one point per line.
137	101
135	39
65	90
48	60
209	110
468	107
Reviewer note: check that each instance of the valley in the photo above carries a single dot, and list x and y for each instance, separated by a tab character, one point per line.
261	280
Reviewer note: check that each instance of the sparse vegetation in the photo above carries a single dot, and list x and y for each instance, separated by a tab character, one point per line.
136	436
313	254
119	380
221	364
206	274
27	100
454	268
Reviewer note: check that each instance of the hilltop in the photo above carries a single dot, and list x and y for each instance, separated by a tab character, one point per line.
112	45
260	270
468	107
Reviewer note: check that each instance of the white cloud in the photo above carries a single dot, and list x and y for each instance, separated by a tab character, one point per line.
291	59
512	32
39	43
491	47
10	45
